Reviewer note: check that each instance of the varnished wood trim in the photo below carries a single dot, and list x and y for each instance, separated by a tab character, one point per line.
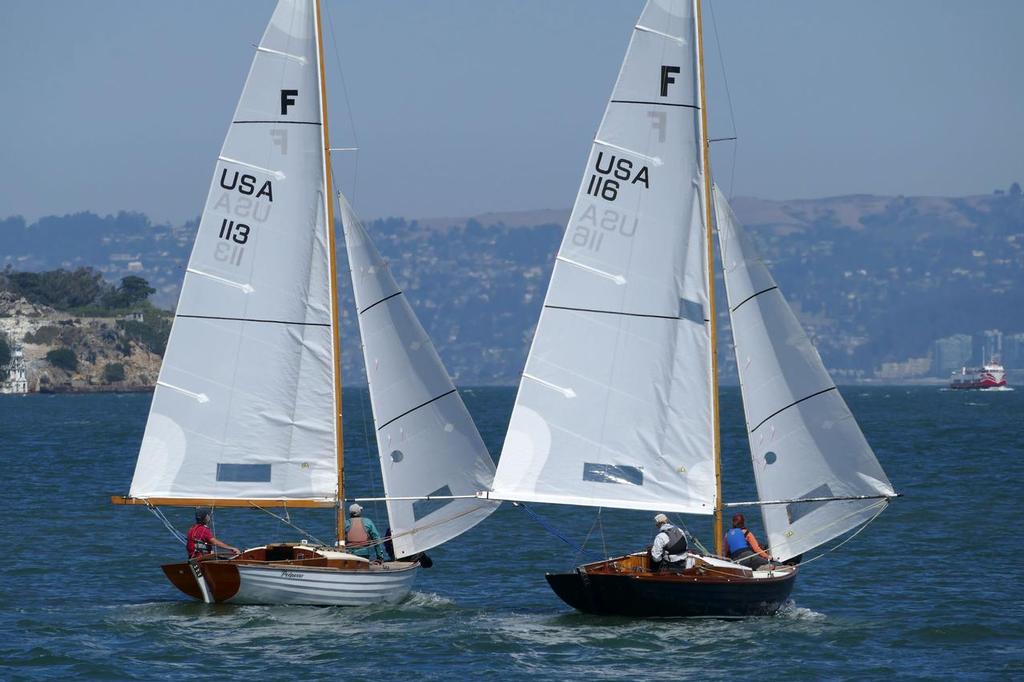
220	502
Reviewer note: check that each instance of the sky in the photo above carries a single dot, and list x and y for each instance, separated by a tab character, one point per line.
461	107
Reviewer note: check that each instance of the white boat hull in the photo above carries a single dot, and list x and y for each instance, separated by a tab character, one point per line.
323	586
290	573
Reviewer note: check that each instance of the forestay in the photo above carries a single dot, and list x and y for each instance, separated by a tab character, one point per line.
614	408
428	443
804	442
244	406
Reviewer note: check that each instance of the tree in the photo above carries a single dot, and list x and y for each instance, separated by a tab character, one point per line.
5	352
113	372
1015	189
132	291
63	358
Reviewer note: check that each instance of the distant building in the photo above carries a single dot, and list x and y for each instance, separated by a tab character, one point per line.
988	346
15	380
908	369
1013	351
951	353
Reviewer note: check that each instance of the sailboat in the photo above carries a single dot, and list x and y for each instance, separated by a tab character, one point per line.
247	408
618	404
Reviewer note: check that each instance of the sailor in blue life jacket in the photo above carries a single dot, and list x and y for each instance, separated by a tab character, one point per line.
742	547
669	548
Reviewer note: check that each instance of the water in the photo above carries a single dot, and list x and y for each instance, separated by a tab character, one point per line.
931	589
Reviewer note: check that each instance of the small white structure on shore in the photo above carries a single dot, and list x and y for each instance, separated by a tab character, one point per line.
15	380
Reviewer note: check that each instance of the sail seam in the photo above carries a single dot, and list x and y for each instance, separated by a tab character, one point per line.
833	388
397	293
305	123
250	319
416	408
763	291
614	312
663	104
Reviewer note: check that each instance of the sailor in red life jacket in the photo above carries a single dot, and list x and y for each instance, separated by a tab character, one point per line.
669	548
361	536
741	546
200	537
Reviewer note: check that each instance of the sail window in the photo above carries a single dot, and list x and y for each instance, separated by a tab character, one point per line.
243	473
397	456
691	310
797	510
612	473
424	508
770	458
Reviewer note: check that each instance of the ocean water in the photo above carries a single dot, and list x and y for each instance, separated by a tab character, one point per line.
932	589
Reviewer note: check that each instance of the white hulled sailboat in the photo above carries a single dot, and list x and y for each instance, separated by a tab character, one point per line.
617	406
247	408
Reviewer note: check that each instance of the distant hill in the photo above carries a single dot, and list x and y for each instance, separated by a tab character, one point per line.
874	279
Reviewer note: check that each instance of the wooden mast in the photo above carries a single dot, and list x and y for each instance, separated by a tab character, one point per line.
335	322
705	146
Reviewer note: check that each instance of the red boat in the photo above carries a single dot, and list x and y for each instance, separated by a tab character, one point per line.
992	375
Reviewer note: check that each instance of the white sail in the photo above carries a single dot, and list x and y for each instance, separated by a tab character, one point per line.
804	442
244	406
428	443
615	408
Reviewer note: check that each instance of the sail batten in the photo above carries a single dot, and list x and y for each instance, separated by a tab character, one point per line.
614	405
432	457
813	467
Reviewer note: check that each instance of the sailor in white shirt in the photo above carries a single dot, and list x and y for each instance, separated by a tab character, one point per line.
669	548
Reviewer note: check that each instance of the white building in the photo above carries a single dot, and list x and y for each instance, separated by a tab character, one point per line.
15	380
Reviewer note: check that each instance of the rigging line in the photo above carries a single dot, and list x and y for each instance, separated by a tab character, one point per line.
371	464
882	504
797	402
855	534
576	557
728	97
550	529
348	103
289	523
178	535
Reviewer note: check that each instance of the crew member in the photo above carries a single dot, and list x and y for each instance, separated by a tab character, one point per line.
200	537
361	536
741	546
669	548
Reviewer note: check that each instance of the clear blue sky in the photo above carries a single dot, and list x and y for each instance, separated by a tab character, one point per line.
466	106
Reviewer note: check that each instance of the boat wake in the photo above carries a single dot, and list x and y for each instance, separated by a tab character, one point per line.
426	600
791	611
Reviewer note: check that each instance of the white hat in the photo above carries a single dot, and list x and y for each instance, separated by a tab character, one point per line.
661	518
355	509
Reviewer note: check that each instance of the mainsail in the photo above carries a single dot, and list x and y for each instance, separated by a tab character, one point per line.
245	405
804	442
428	443
615	405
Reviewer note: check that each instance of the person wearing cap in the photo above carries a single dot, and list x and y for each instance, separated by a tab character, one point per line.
669	548
361	536
200	538
742	547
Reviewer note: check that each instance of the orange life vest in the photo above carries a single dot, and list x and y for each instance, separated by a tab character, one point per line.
357	535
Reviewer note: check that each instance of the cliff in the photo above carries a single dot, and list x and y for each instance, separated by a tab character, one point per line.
108	354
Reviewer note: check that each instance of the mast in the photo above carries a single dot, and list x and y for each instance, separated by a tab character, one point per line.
335	323
705	149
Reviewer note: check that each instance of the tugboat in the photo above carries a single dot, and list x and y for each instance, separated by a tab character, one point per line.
990	375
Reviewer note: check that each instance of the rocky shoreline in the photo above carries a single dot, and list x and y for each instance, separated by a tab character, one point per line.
66	353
